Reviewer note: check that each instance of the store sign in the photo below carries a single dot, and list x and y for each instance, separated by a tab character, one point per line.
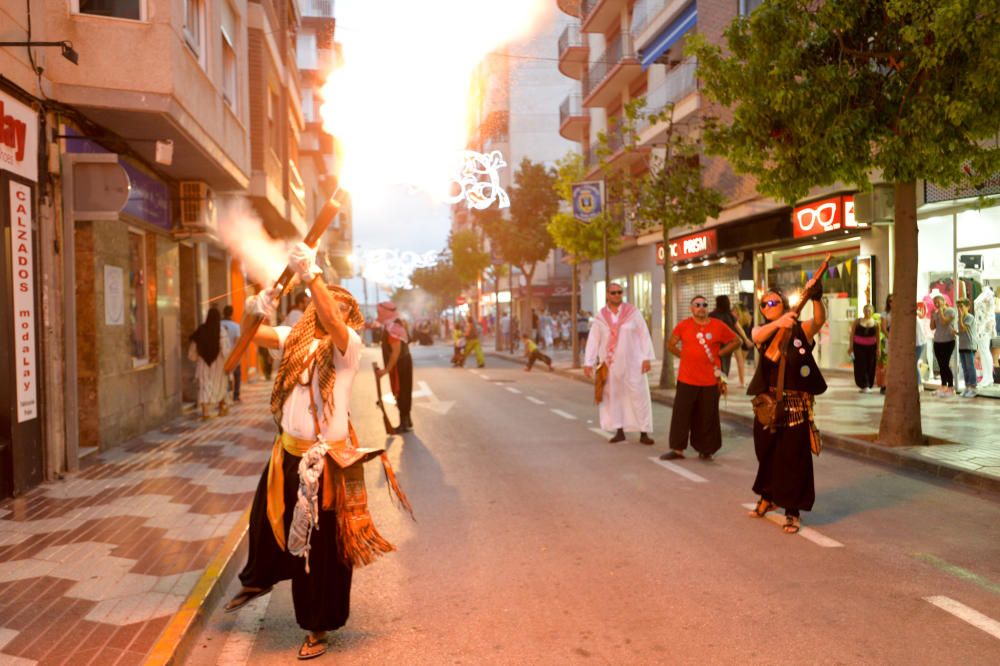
23	270
588	200
823	216
689	247
18	138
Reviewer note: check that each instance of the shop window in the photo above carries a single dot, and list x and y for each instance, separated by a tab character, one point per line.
138	310
642	296
124	9
977	228
194	28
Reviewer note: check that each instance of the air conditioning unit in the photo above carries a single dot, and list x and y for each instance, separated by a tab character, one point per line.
875	207
197	207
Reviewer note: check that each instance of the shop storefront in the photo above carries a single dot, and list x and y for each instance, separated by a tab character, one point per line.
815	230
698	269
959	258
637	271
22	392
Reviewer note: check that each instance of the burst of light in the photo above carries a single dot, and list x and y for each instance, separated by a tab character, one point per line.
722	260
793	299
393	267
404	120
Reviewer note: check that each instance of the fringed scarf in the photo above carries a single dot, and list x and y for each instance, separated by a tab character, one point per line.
337	465
625	311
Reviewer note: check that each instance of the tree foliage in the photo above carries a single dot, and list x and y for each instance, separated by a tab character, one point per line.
822	92
582	241
826	92
467	257
440	280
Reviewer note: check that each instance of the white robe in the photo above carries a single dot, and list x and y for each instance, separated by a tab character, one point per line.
626	402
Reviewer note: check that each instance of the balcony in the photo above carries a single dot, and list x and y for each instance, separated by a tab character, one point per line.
611	73
573	52
573	119
677	89
321	9
600	16
571	7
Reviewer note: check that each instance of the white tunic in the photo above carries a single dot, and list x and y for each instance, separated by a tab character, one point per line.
213	385
626	402
296	417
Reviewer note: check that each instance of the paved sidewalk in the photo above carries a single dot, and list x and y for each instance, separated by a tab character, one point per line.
966	431
94	567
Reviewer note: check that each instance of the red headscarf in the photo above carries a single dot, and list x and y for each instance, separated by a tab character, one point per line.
389	318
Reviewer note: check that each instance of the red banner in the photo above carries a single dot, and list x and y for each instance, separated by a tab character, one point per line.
688	247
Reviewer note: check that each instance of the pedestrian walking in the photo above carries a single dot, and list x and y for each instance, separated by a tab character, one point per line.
943	325
863	348
397	362
582	328
621	341
208	348
505	331
884	320
565	330
924	333
967	344
784	445
458	345
533	354
724	312
700	342
547	328
233	332
309	521
744	320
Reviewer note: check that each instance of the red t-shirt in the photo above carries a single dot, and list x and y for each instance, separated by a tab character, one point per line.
696	367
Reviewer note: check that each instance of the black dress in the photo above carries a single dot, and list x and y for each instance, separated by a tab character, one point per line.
785	466
403	374
322	597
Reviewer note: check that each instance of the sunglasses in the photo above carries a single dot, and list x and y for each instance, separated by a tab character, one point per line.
615	293
770	303
699	304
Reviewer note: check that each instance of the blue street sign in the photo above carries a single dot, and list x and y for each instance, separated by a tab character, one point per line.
588	200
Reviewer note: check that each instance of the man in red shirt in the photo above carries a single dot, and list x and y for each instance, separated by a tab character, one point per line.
703	341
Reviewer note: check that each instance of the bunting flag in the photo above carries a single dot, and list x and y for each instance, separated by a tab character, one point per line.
848	264
802	277
809	275
830	270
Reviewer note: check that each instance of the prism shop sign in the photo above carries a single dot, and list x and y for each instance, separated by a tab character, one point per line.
18	138
689	247
23	270
823	216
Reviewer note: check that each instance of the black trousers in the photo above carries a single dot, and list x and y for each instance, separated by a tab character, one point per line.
322	597
405	398
865	359
785	467
696	418
943	352
538	356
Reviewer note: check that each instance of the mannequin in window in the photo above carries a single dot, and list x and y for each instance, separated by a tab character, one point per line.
986	329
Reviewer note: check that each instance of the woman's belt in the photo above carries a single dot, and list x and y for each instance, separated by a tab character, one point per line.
865	340
798	408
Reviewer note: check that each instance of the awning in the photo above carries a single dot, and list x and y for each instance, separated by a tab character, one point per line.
669	36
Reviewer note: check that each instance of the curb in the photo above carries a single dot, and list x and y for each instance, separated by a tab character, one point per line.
843	444
175	642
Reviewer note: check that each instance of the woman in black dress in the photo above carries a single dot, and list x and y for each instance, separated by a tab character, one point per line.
864	348
785	471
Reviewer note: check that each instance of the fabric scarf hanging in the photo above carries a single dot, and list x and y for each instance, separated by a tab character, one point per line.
624	312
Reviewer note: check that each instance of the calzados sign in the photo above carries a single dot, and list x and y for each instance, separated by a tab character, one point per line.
689	247
825	215
18	138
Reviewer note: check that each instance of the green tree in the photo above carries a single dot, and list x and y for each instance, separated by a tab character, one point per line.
521	238
669	193
825	92
467	256
440	281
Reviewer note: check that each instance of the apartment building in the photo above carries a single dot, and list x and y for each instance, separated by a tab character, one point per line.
621	50
133	117
518	92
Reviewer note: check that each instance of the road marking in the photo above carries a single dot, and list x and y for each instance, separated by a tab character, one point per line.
807	533
534	400
512	389
677	469
600	433
432	403
970	615
959	572
565	415
239	643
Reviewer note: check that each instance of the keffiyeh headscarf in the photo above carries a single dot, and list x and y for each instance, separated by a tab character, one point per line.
388	316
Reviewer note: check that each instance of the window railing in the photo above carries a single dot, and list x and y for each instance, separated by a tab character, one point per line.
590	159
570	37
644	12
616	51
588	6
317	8
678	84
571	106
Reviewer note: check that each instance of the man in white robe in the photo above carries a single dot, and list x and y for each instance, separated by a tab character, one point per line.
620	339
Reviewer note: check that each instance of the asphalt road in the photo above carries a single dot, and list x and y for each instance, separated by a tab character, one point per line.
537	542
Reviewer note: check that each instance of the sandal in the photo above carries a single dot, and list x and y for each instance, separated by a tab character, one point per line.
763	506
245	596
792	525
313	647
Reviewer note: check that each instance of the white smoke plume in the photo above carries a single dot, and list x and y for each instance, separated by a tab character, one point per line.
241	230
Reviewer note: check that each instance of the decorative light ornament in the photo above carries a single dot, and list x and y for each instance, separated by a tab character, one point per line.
477	193
394	267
